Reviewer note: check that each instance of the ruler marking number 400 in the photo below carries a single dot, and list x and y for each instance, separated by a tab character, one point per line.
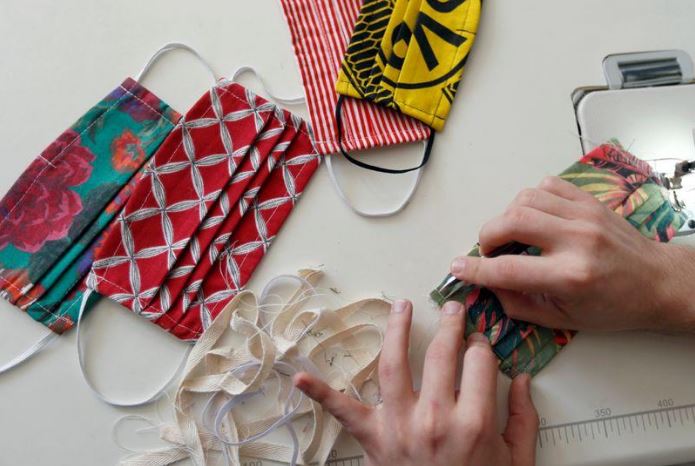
606	425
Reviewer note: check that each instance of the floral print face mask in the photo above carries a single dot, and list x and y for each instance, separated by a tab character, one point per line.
624	184
52	219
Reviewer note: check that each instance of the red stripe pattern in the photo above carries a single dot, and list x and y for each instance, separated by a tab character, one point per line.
320	31
207	209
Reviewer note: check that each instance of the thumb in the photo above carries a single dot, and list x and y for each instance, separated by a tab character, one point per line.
522	426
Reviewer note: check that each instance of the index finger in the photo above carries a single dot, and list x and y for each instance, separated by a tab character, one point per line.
395	381
532	274
565	189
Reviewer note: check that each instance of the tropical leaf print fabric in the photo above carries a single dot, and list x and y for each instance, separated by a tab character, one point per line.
211	202
53	216
623	183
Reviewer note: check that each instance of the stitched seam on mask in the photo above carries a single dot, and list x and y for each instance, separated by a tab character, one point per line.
233	96
57	316
158	112
451	62
377	133
402	104
59	156
79	135
116	285
149	194
258	140
216	305
61	316
177	324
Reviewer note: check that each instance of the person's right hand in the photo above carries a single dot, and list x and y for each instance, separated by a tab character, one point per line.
596	271
437	426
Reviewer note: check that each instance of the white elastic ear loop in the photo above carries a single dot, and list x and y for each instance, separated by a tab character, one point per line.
280	100
28	353
100	395
174	46
374	214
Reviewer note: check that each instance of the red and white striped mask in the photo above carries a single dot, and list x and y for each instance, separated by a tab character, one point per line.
321	30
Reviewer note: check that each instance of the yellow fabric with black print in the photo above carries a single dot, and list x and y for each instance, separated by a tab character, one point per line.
409	55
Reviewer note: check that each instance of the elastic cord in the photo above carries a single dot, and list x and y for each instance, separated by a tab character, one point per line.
29	352
359	163
374	214
338	187
175	46
281	100
100	395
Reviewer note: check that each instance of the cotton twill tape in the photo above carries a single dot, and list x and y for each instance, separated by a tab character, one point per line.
280	345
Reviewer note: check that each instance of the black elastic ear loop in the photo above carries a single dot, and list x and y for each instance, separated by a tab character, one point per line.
359	163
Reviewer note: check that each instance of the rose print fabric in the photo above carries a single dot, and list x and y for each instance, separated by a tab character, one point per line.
206	210
623	183
53	216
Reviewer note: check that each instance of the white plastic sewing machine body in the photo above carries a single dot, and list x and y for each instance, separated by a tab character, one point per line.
628	398
649	107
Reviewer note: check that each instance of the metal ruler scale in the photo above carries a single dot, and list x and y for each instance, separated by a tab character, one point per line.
608	426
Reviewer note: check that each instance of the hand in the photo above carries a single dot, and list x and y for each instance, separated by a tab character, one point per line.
596	271
435	426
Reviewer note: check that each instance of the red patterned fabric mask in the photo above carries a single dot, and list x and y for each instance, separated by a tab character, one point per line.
209	205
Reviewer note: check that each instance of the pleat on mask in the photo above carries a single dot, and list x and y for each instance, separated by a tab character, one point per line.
193	210
54	215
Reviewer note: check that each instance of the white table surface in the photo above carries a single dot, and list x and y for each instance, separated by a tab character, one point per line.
512	123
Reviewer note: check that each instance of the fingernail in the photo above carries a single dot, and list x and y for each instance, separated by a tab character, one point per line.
452	307
477	338
458	265
399	306
299	382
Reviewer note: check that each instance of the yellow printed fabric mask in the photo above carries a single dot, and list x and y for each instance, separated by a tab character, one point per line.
409	55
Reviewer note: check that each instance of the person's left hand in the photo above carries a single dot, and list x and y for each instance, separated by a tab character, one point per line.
437	426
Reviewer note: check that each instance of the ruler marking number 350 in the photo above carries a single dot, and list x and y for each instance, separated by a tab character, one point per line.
605	424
